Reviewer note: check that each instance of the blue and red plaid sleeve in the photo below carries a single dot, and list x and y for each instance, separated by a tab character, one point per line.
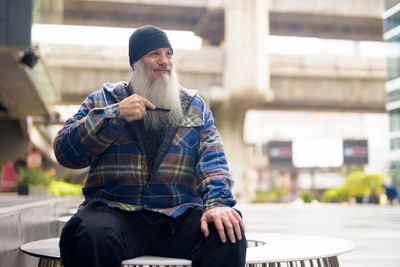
212	168
88	133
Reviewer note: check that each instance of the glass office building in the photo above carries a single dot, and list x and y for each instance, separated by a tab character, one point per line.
391	36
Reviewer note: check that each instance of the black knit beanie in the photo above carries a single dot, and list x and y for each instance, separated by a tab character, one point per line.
144	40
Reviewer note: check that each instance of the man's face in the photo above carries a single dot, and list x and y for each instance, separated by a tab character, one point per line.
158	63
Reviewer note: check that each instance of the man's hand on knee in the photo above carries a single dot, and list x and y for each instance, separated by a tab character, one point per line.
224	218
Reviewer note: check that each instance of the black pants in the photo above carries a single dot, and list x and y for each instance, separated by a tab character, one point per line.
102	236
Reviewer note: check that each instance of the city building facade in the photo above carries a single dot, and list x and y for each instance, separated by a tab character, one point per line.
391	36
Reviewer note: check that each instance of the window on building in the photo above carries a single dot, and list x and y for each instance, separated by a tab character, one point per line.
392	22
393	68
393	95
393	57
395	172
394	117
395	143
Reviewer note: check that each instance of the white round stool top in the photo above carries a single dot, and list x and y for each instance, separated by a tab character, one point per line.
45	248
289	247
156	260
275	248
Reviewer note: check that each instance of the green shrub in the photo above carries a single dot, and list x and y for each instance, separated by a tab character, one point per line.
36	177
307	197
61	188
330	195
271	196
375	183
358	184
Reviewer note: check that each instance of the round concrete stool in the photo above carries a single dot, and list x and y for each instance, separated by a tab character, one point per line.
264	249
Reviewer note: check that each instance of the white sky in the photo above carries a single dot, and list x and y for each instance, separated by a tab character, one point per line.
103	36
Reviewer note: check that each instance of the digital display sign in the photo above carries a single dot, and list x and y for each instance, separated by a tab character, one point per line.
279	154
355	152
317	152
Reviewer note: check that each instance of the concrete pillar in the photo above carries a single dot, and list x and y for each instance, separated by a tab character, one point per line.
229	119
48	11
246	70
246	79
14	141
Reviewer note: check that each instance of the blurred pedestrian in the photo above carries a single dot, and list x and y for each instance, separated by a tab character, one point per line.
391	193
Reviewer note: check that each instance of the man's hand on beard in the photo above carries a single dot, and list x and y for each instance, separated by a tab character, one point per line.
134	107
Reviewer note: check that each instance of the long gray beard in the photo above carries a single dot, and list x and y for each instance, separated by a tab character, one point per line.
162	93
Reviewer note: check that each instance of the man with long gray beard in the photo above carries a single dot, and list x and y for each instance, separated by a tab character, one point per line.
158	183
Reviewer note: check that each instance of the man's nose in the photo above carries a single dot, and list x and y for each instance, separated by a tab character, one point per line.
163	60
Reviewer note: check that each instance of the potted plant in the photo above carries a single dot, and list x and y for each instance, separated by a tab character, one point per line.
33	181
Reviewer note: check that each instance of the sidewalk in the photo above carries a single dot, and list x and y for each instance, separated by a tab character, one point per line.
375	229
28	218
12	199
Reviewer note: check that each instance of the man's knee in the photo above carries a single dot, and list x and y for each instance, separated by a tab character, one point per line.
89	227
99	227
91	237
228	247
219	254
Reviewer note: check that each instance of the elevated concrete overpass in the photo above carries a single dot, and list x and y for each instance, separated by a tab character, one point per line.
306	82
338	19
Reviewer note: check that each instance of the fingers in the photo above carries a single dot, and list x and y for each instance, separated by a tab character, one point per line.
229	230
220	229
146	102
204	226
232	226
134	107
242	226
226	220
240	220
208	217
237	222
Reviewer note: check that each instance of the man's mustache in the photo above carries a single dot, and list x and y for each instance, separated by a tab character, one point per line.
162	68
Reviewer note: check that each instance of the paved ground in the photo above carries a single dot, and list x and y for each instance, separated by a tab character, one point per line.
10	199
374	229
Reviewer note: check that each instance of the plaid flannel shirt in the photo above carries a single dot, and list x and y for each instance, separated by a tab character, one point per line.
190	169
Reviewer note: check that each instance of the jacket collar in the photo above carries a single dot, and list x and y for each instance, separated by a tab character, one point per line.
118	91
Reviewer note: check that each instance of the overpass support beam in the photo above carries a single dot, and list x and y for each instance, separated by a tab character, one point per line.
246	78
246	66
229	119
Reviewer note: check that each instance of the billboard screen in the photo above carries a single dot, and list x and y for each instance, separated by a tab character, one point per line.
317	152
355	152
279	154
